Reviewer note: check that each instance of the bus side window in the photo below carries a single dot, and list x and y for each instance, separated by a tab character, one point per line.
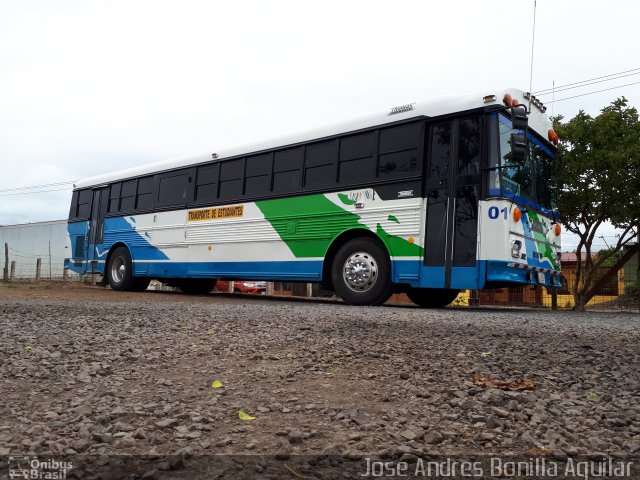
114	198
173	188
469	152
231	175
357	163
258	175
84	204
128	195
74	205
144	195
320	163
398	149
207	183
287	168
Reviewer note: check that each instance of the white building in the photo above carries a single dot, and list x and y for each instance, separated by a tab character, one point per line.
27	242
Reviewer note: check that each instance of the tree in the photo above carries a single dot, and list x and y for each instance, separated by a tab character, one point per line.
598	174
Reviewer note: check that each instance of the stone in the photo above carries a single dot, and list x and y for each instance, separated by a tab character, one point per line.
167	423
433	437
412	433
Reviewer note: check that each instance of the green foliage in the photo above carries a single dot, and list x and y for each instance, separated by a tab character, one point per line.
609	256
599	166
598	175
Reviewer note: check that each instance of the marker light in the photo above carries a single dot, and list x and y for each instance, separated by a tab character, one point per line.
507	100
515	102
553	136
517	214
488	98
557	229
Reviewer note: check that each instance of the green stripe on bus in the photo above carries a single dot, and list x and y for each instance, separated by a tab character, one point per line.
308	224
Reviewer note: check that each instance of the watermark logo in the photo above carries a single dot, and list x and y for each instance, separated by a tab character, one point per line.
33	468
494	467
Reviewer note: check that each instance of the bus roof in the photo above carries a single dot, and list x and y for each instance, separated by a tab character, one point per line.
428	108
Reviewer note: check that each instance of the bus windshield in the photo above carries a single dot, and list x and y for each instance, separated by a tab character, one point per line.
529	183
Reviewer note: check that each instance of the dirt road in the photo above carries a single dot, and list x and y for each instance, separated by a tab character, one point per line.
91	373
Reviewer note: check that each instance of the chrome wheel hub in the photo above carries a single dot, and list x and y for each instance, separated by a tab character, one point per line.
118	269
360	271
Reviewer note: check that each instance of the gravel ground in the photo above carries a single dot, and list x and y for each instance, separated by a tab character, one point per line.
87	371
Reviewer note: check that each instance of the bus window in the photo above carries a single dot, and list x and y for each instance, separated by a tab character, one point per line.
398	150
207	183
231	173
144	195
469	146
287	167
320	164
516	181
173	188
356	158
84	204
114	198
258	175
128	195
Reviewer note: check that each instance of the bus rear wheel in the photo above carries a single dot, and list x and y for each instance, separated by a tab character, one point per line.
361	272
120	272
432	297
197	286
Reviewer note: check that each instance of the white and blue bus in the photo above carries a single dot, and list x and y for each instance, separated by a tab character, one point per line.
426	198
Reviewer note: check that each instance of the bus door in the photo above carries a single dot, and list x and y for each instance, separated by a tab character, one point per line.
96	229
453	179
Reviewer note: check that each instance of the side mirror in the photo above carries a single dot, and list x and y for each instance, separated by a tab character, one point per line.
519	118
518	148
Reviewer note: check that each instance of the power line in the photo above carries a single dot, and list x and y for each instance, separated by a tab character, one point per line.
539	92
595	91
37	191
31	187
586	84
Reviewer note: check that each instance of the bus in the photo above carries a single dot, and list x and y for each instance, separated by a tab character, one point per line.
427	198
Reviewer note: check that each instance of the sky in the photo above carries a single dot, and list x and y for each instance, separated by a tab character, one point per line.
88	87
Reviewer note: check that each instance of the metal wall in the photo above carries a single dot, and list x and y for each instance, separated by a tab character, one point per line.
48	241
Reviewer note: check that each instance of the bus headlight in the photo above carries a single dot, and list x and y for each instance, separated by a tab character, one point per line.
516	245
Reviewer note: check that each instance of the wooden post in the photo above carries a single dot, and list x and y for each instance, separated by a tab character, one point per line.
474	299
13	271
231	284
5	273
309	290
38	268
269	288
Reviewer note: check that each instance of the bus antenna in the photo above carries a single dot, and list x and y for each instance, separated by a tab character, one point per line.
533	40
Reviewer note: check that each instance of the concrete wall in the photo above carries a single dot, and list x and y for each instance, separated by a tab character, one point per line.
30	241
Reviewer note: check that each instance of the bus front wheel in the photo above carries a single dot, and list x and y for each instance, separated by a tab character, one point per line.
120	272
361	273
432	297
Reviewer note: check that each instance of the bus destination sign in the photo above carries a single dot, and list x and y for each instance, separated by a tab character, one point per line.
218	213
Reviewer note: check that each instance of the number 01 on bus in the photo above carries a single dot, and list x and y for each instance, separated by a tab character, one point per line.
427	198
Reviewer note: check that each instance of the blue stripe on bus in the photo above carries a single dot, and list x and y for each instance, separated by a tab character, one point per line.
404	271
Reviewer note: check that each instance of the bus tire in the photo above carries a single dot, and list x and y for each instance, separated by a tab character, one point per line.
432	297
120	270
361	272
197	286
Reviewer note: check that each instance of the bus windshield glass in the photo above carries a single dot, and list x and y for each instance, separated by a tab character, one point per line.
529	182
